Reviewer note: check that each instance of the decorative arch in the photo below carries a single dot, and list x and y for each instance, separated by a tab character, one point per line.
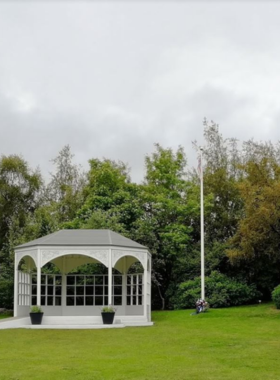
100	255
119	254
21	255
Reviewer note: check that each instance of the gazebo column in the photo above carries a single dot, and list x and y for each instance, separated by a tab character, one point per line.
110	278
124	284
63	292
63	285
38	285
16	288
29	281
145	283
150	290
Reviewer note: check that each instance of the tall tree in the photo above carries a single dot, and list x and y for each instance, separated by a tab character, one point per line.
111	200
19	196
171	205
222	174
66	186
256	244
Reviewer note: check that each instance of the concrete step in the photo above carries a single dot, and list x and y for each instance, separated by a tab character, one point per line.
73	327
71	323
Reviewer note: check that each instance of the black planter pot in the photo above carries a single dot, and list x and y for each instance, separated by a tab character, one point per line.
108	318
36	318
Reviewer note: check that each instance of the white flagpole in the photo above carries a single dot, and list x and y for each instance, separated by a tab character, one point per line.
202	226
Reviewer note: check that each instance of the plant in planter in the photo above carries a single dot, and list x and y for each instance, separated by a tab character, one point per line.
108	314
36	315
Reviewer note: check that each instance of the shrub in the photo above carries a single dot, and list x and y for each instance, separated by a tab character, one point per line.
36	309
108	309
6	294
221	291
276	296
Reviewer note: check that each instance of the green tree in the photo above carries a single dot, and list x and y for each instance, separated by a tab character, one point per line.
65	190
222	173
19	197
223	203
171	208
255	246
111	200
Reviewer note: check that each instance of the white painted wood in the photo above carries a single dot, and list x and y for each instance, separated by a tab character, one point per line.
39	285
67	258
118	254
124	283
16	292
79	255
145	278
63	290
63	285
110	279
22	253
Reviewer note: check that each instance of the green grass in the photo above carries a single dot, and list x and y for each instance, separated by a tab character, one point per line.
235	343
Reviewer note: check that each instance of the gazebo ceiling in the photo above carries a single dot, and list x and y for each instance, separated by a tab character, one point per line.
83	238
70	262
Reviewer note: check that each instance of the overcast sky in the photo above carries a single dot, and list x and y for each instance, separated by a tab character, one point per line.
112	78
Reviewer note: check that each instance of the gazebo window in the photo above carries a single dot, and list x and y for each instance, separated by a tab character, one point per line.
50	290
134	289
23	289
85	290
81	290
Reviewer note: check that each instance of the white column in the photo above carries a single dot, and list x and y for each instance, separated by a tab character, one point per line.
16	287
150	289
110	278
29	281
63	287
124	284
145	281
38	278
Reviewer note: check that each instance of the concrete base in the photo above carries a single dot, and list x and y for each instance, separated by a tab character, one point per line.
73	323
71	327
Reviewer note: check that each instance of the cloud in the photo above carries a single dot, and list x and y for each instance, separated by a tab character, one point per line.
111	79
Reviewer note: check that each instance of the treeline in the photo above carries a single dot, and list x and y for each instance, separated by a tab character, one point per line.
242	216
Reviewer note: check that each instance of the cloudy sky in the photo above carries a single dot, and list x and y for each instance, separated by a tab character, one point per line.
112	78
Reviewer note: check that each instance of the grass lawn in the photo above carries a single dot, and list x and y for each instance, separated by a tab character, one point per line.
235	343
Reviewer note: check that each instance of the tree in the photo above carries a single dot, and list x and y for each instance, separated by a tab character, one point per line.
111	200
19	189
19	197
171	205
222	173
65	189
256	243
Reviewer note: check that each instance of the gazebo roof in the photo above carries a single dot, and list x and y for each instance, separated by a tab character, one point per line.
83	238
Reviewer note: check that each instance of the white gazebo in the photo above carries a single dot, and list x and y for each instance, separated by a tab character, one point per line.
69	297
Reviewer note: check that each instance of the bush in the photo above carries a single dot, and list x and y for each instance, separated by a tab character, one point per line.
36	309
221	291
6	294
276	296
